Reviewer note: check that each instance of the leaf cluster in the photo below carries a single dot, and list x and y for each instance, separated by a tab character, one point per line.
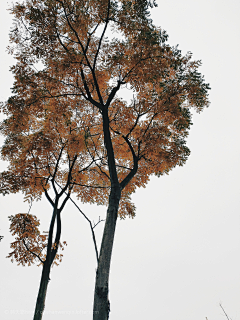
29	245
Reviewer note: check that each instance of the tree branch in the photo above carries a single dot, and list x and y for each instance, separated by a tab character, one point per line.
84	53
132	173
224	311
48	197
91	226
90	223
112	94
89	96
34	254
57	237
69	176
102	35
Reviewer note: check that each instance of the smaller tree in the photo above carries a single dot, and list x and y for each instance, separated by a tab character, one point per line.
45	158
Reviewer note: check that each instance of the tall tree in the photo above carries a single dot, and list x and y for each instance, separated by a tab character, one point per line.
89	51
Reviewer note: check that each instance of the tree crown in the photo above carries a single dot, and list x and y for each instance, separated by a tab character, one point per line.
89	51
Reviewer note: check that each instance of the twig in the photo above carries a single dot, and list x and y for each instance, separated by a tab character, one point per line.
224	312
97	222
30	206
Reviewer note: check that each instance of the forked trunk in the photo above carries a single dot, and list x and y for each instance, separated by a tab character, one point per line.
51	253
40	304
101	306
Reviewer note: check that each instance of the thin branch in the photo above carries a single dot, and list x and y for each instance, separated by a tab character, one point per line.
94	30
119	166
128	73
56	169
95	224
48	197
65	200
90	223
99	167
224	311
96	187
69	176
30	206
34	254
102	36
91	226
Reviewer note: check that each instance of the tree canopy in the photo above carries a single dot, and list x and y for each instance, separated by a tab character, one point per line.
73	60
84	66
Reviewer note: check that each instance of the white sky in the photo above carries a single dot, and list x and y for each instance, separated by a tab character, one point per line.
180	257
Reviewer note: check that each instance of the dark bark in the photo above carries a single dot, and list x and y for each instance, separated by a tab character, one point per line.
101	302
51	253
52	250
40	304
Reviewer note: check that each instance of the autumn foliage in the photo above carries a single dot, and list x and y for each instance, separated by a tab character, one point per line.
68	124
29	246
82	71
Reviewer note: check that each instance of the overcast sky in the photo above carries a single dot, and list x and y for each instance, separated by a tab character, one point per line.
180	257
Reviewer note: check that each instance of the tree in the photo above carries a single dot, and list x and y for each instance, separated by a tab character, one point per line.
43	160
89	51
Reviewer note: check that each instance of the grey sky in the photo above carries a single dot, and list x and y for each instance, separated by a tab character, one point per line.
180	257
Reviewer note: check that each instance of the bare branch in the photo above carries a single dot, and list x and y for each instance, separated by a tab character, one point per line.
91	226
224	311
48	197
100	220
95	187
89	221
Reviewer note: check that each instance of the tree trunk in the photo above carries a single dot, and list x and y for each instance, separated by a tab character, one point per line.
101	306
51	253
40	304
